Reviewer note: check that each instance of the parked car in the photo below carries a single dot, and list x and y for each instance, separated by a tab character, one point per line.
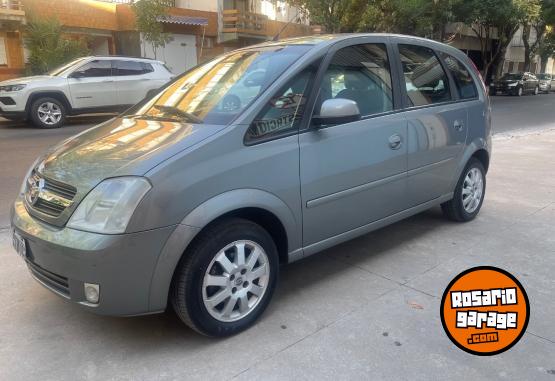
546	81
189	200
86	85
516	84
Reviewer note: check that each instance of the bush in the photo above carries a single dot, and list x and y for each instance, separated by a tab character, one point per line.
48	47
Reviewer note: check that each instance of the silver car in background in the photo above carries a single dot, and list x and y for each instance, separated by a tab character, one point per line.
83	86
263	156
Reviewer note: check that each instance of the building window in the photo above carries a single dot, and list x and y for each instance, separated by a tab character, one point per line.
3	52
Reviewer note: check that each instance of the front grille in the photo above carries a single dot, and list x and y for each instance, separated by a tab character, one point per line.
56	282
48	196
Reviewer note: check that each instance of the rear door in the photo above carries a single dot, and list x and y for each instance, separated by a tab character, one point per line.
92	85
134	79
354	173
437	123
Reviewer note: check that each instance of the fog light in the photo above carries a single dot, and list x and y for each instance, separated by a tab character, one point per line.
92	292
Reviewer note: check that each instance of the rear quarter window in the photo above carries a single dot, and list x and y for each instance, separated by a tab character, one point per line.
466	88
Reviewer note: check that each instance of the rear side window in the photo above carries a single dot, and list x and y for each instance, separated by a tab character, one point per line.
425	79
466	87
124	68
359	73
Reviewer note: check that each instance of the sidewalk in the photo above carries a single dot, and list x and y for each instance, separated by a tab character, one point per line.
366	309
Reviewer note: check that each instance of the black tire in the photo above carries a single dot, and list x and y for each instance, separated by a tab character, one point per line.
454	209
34	112
187	294
519	91
536	90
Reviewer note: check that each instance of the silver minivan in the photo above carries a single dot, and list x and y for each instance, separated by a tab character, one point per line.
260	157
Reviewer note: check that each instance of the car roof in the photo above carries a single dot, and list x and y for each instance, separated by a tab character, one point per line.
125	58
326	40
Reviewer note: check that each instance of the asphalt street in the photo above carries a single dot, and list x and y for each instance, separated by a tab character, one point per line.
366	309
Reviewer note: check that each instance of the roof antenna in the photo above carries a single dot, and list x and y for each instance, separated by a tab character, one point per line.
276	37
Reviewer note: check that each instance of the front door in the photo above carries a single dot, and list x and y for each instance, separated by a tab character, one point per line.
355	173
437	124
92	85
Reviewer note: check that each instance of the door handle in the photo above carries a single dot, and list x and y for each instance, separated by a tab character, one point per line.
395	141
458	125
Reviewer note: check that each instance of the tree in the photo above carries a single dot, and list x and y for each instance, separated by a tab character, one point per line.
148	15
546	48
540	23
335	15
495	18
48	47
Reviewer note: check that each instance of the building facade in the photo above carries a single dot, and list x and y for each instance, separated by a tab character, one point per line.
199	29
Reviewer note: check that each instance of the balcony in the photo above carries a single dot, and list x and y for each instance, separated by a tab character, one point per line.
238	24
167	3
12	11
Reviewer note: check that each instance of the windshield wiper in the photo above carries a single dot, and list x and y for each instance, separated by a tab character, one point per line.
171	110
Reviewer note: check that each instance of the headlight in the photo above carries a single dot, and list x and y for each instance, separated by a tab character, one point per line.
9	88
31	168
109	206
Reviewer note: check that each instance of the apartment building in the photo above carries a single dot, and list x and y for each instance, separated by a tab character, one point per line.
12	21
199	29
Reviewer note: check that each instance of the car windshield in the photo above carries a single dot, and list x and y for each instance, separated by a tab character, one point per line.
217	91
543	76
65	68
512	76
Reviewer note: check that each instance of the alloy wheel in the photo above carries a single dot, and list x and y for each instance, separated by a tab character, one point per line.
235	281
472	190
49	113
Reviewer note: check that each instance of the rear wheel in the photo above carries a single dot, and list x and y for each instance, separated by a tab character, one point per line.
48	113
469	193
226	279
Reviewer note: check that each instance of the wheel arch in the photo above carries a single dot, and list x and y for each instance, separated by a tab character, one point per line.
255	205
59	95
480	149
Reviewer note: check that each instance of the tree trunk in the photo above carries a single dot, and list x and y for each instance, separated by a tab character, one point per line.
526	41
544	62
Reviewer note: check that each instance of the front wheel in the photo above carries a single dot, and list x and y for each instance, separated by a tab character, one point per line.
469	193
226	278
48	113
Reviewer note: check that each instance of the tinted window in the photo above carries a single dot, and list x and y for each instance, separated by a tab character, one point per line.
132	68
284	111
96	68
359	73
425	80
465	84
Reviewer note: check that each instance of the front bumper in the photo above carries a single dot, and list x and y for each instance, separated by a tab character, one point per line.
124	266
504	89
12	103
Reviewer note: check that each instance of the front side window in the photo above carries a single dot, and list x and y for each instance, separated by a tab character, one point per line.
284	111
219	90
96	68
461	75
359	73
425	80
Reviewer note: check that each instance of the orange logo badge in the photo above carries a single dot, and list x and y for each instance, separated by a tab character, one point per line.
485	310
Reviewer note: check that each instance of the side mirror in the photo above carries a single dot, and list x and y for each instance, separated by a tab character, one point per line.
337	111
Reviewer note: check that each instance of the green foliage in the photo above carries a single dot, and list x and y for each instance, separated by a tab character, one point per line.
335	15
48	47
148	13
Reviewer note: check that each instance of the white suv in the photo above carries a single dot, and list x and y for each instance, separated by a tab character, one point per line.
86	85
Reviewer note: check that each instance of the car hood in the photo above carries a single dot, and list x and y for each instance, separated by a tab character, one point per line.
119	147
26	80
